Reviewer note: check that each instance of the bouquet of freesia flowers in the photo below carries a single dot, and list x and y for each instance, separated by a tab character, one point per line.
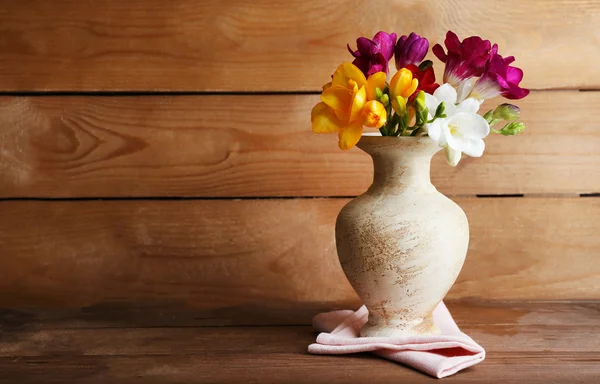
412	103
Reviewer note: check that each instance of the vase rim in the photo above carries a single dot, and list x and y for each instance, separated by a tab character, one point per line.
375	141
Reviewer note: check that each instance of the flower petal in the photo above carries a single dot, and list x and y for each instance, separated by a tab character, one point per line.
323	119
464	89
435	131
413	87
338	98
432	103
403	84
359	98
470	125
447	93
469	105
347	72
374	114
473	147
350	135
376	80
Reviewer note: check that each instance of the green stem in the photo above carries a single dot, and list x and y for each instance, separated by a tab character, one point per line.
416	131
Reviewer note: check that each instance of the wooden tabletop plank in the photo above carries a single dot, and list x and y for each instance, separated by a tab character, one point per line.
263	146
269	45
292	368
216	254
557	349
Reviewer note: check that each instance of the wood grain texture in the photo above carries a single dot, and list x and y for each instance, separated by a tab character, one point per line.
263	146
270	45
268	254
525	343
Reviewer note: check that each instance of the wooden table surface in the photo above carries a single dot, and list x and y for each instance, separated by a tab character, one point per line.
537	342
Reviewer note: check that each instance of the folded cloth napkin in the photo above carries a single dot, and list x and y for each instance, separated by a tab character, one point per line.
436	355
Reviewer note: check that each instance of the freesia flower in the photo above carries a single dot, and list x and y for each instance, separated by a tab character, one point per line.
344	107
376	80
402	86
426	79
500	78
374	114
462	130
464	59
410	50
373	55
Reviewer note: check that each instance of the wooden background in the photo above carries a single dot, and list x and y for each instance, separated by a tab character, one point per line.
157	163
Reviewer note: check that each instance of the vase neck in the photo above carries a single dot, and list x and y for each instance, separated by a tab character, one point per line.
401	164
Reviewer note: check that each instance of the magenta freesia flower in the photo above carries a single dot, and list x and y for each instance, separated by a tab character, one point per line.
464	59
500	78
373	55
410	49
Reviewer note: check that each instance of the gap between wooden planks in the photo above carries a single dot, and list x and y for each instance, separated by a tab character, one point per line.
269	45
262	145
219	254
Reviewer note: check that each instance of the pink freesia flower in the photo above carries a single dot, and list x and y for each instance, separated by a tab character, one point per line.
464	59
410	50
373	55
500	78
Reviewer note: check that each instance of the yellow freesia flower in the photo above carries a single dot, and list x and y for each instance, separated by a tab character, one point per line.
376	80
344	107
374	114
402	86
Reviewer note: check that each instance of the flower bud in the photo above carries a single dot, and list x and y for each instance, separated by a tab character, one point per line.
513	128
488	116
420	103
441	108
452	156
374	114
425	65
410	49
399	105
421	107
385	99
507	112
403	84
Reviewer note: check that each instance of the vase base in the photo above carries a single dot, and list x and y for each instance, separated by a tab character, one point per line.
419	328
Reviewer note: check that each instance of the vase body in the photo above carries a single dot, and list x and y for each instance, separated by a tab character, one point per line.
402	243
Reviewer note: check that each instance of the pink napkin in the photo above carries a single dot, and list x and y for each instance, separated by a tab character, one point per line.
436	355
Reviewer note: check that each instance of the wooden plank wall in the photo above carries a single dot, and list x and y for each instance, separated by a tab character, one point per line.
159	155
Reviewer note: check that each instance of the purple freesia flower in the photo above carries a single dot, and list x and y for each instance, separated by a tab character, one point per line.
373	55
410	49
500	78
464	59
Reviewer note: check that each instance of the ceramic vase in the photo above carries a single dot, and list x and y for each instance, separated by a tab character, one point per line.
402	243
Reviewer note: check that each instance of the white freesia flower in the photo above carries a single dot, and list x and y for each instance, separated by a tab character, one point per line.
462	130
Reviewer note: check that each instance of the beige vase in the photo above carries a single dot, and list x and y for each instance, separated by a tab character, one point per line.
402	243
